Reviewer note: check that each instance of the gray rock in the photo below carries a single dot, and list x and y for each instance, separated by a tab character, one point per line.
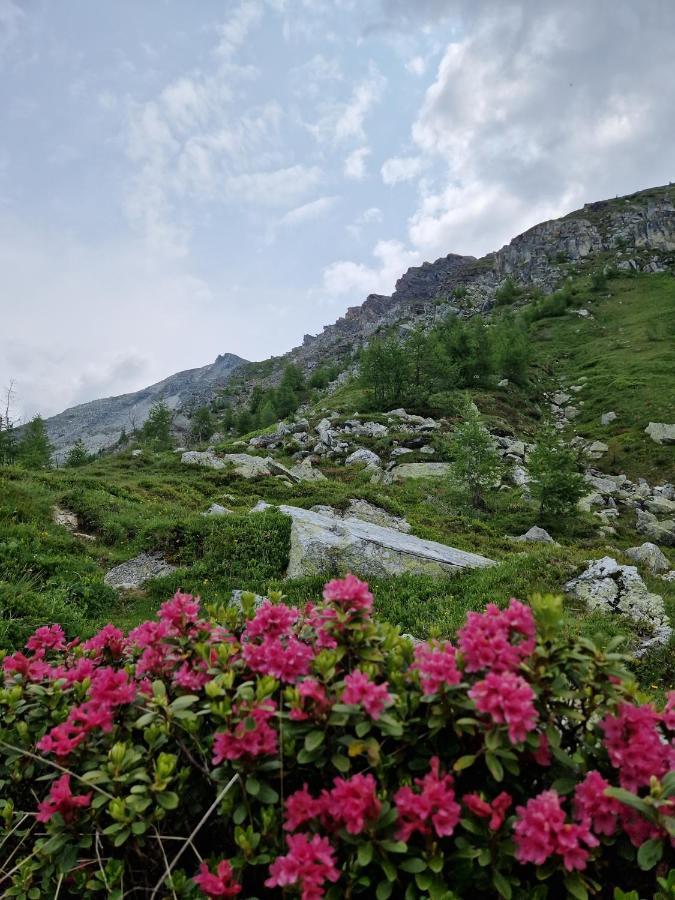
503	383
248	466
367	512
660	506
322	545
560	398
608	417
594	499
661	432
305	471
607	586
606	484
363	455
366	429
651	557
235	599
135	572
597	449
536	535
65	518
206	458
399	451
136	453
421	470
217	510
520	476
661	532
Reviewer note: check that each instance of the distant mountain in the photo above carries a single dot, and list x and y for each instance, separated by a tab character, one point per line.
99	423
635	233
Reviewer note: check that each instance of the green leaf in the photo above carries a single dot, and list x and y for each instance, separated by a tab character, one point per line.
314	740
423	880
413	865
362	728
268	795
340	762
365	854
394	846
575	886
649	854
502	885
183	702
464	762
495	767
630	800
252	786
383	891
168	800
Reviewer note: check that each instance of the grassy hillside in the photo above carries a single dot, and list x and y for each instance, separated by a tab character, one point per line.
624	355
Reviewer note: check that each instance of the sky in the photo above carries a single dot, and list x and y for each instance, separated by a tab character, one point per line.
179	180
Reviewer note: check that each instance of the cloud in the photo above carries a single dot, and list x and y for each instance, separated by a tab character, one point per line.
309	212
10	19
359	279
235	30
369	216
278	187
313	77
341	122
417	65
355	163
401	168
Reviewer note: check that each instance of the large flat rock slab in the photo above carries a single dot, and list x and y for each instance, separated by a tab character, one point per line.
421	470
135	572
324	544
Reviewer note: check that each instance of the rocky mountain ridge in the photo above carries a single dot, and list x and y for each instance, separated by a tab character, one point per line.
635	232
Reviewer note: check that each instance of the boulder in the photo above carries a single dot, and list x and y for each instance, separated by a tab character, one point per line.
661	532
65	518
305	471
366	429
520	476
597	449
421	470
367	512
217	510
608	417
536	535
202	458
135	572
605	585
606	484
248	466
363	455
651	557
660	506
323	545
661	432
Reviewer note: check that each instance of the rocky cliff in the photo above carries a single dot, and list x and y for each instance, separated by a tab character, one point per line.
99	423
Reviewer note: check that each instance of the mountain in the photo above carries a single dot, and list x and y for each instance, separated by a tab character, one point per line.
634	233
99	423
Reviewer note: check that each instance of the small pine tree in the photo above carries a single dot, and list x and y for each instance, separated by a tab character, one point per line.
35	450
557	484
156	431
476	463
77	455
512	349
228	422
201	425
244	422
267	414
8	447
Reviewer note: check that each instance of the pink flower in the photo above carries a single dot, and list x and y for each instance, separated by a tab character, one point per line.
179	612
349	593
61	800
309	864
313	701
507	699
669	712
271	620
287	659
220	884
498	640
252	735
48	637
353	802
495	811
321	620
33	669
108	638
301	807
437	666
541	831
189	678
635	745
113	687
359	689
431	809
592	806
637	827
542	755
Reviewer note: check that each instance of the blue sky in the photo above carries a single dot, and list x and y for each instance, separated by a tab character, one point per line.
179	180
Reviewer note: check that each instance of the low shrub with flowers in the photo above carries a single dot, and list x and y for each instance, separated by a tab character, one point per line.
316	753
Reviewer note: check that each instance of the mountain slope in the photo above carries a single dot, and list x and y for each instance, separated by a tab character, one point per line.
99	423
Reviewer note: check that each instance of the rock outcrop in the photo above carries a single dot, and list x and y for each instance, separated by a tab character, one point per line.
325	544
135	572
661	432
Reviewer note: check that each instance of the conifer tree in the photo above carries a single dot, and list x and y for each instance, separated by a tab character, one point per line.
35	450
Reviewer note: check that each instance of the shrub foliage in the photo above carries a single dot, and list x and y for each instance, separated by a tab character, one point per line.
222	751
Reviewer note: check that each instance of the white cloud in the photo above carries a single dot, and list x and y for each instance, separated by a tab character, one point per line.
234	32
355	163
309	212
340	122
401	168
358	279
278	187
369	216
312	78
417	65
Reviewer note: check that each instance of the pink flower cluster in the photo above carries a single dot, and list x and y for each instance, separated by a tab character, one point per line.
350	594
351	803
437	666
251	736
508	699
218	884
269	646
494	811
309	863
593	807
314	702
636	746
541	832
498	640
432	809
360	690
61	800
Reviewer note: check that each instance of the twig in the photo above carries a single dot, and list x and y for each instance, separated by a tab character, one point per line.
166	861
197	827
58	886
97	848
56	765
18	825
